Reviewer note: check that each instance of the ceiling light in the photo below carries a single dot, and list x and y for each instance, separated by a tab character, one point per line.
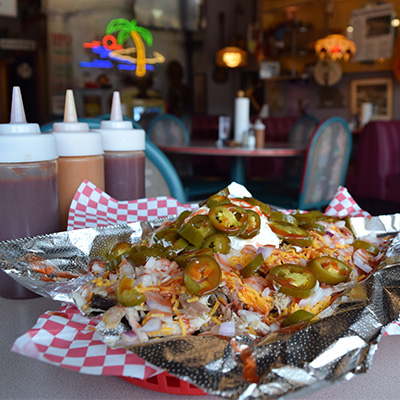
335	47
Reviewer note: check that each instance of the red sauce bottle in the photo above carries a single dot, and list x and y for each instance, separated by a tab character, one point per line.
124	156
28	185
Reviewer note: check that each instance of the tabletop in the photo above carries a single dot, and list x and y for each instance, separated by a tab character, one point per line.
25	378
271	149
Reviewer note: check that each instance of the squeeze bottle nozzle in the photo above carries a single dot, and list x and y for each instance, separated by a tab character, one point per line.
116	112
119	135
74	139
69	107
17	107
116	120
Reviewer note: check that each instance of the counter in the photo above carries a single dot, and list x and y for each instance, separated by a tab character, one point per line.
25	378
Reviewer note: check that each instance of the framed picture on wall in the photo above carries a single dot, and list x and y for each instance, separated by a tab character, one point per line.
378	91
200	93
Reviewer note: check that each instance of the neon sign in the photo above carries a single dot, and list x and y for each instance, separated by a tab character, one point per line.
111	48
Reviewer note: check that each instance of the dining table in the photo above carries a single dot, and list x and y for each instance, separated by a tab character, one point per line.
238	153
22	377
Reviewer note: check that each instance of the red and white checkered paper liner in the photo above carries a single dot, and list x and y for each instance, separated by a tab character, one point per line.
91	207
68	339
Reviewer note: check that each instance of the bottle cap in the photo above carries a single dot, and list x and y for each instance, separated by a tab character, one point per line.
119	135
258	124
21	141
74	139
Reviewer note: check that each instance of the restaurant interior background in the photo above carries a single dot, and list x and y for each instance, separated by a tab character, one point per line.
48	46
43	45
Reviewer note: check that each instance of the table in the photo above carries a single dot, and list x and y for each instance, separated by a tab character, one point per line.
25	378
238	172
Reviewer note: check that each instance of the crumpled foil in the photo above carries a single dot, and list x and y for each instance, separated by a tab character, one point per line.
338	345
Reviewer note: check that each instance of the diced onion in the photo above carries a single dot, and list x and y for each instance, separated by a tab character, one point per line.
266	251
227	329
152	325
359	262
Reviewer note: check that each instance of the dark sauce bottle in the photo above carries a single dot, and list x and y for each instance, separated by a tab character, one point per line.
124	156
28	186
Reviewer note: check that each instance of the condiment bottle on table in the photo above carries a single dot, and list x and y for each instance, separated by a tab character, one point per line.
259	131
28	185
124	157
80	156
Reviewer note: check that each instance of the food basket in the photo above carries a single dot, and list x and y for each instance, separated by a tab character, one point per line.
167	383
84	214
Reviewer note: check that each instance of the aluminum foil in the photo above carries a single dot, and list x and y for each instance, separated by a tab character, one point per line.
338	345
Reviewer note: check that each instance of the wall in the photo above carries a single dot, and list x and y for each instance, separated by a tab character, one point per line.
220	96
286	94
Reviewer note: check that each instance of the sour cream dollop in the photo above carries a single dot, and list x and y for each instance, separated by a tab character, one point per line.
263	238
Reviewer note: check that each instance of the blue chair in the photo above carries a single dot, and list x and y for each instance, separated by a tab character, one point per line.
325	169
168	129
154	157
302	130
299	135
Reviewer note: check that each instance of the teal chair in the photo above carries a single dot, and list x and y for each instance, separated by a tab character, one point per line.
299	135
302	130
154	157
167	129
324	170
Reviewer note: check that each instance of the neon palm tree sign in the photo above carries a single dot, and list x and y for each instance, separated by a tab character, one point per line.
129	58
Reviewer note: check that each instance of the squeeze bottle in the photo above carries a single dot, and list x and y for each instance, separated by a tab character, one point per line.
28	185
124	157
80	154
259	131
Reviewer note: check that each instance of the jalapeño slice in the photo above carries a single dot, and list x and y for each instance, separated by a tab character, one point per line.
252	267
264	208
127	295
218	242
371	248
297	317
253	225
114	257
292	234
228	218
294	280
329	270
202	275
277	216
196	230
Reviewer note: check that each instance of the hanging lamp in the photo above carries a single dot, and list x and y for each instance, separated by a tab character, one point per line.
232	56
335	47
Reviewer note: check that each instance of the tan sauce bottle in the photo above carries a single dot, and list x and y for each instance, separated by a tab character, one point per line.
80	157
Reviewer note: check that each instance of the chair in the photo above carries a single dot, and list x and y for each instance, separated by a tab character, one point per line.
299	135
167	129
302	130
324	170
161	176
